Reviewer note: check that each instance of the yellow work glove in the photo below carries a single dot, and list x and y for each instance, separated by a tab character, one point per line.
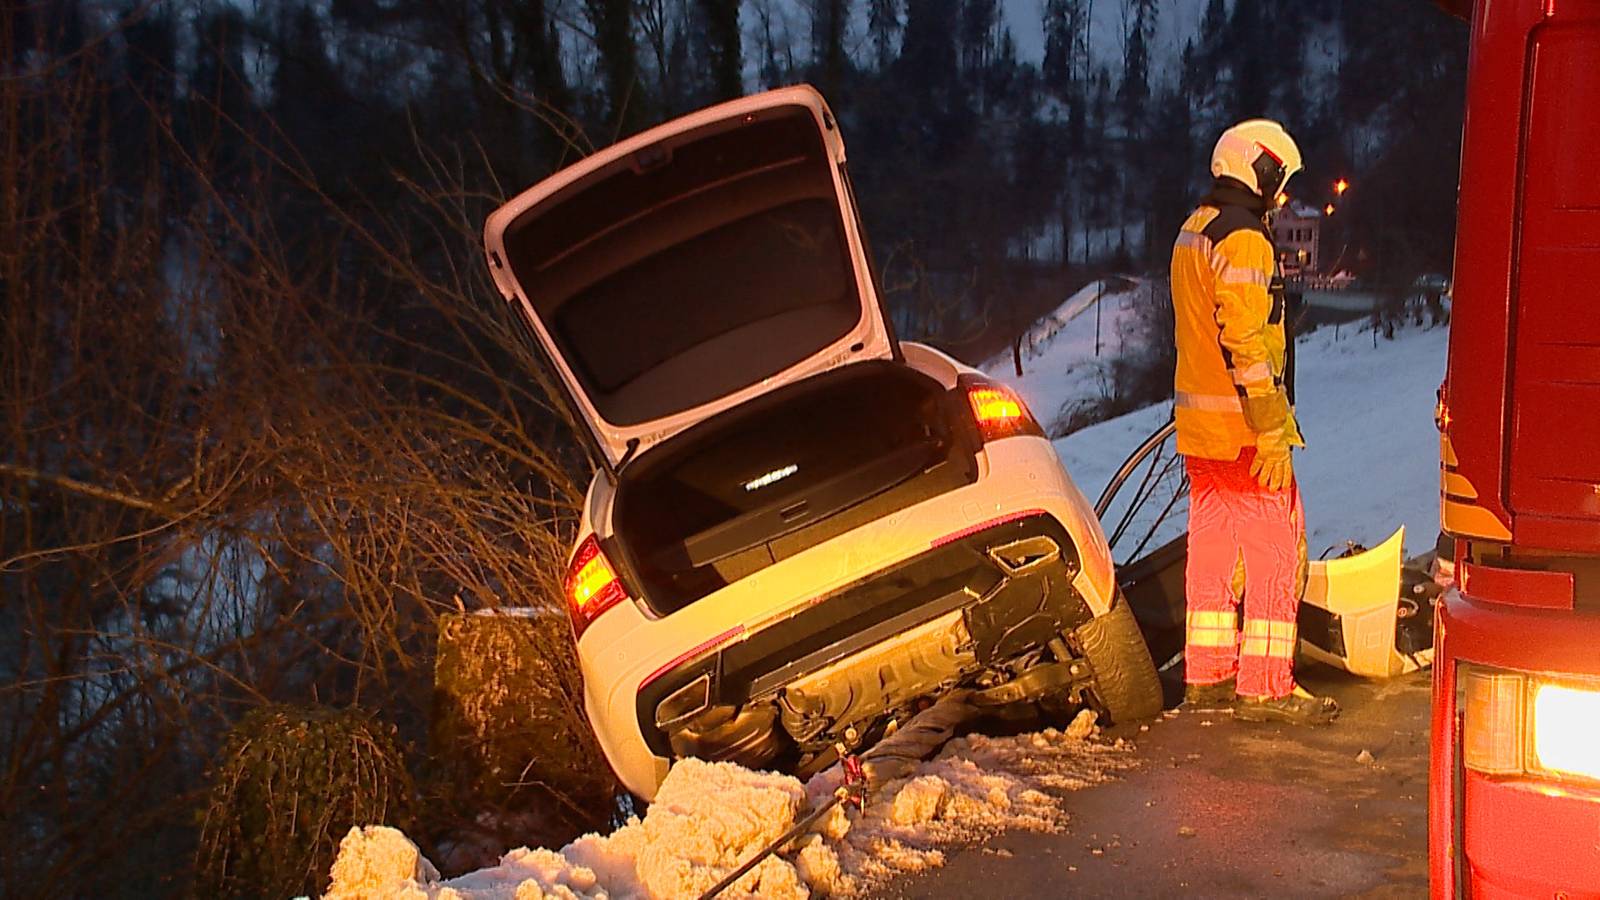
1271	467
1266	411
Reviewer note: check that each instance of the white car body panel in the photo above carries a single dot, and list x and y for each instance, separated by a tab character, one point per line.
621	651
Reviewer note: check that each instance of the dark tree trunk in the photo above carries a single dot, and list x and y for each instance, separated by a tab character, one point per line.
727	59
619	63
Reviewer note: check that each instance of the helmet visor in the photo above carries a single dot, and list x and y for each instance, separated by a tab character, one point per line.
1271	173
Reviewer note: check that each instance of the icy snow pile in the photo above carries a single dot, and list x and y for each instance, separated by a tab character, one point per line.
377	861
710	817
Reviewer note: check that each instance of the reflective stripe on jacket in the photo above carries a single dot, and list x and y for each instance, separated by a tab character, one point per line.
1229	329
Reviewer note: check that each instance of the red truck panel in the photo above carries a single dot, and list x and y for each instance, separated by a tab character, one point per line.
1521	453
1524	382
1485	234
1555	378
1509	846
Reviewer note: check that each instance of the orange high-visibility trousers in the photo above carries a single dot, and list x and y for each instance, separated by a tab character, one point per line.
1234	522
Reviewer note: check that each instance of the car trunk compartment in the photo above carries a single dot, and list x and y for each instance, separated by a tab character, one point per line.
962	596
772	478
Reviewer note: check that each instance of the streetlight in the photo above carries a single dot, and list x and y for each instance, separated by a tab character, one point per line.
1340	186
1328	210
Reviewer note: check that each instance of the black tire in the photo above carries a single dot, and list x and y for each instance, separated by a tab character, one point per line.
1125	677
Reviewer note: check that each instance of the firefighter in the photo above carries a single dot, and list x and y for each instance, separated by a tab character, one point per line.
1236	430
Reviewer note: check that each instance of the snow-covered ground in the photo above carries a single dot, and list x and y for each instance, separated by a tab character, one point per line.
1060	365
710	817
1371	462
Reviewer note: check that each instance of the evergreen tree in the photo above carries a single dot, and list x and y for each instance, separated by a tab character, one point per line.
1252	56
1289	27
1172	174
1133	101
1133	94
1065	64
883	23
220	101
1212	28
612	21
536	34
726	61
978	18
1057	65
830	20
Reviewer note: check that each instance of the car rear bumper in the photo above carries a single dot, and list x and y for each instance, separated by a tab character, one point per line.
975	598
1521	837
627	651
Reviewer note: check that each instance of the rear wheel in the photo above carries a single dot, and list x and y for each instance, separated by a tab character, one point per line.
1125	679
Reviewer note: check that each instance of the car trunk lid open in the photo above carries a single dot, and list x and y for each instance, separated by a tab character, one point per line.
692	268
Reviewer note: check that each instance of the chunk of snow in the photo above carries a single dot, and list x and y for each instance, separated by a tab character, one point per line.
708	821
918	801
834	825
818	866
378	861
1082	724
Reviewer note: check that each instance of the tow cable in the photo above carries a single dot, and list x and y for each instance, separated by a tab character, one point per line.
892	758
852	793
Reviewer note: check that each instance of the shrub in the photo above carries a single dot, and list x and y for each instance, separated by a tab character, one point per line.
287	786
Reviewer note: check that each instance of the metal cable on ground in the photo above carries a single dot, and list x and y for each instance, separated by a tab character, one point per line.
893	757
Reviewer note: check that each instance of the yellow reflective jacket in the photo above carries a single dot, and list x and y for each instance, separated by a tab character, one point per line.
1230	331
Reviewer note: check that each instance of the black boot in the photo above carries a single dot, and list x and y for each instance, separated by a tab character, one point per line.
1298	708
1209	698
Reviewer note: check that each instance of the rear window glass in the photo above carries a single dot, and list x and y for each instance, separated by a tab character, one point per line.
693	269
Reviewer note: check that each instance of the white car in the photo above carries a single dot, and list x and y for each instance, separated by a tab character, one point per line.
801	529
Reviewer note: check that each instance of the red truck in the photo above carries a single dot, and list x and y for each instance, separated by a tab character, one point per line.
1514	792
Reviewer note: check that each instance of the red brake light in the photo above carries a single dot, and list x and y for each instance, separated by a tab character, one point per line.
998	411
592	586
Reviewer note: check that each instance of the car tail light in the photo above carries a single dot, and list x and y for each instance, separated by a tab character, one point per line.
1523	724
592	586
997	410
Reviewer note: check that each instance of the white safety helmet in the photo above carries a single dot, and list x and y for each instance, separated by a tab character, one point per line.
1259	153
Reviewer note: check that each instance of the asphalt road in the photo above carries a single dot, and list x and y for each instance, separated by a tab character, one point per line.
1219	808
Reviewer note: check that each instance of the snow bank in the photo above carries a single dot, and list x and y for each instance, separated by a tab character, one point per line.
710	817
1371	462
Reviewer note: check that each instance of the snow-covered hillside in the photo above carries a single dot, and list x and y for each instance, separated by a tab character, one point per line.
1060	363
1371	461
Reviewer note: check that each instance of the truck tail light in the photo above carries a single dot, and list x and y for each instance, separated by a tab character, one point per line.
592	586
1566	730
997	410
1530	725
1492	741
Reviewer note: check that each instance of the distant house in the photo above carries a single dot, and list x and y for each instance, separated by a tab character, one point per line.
1297	230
